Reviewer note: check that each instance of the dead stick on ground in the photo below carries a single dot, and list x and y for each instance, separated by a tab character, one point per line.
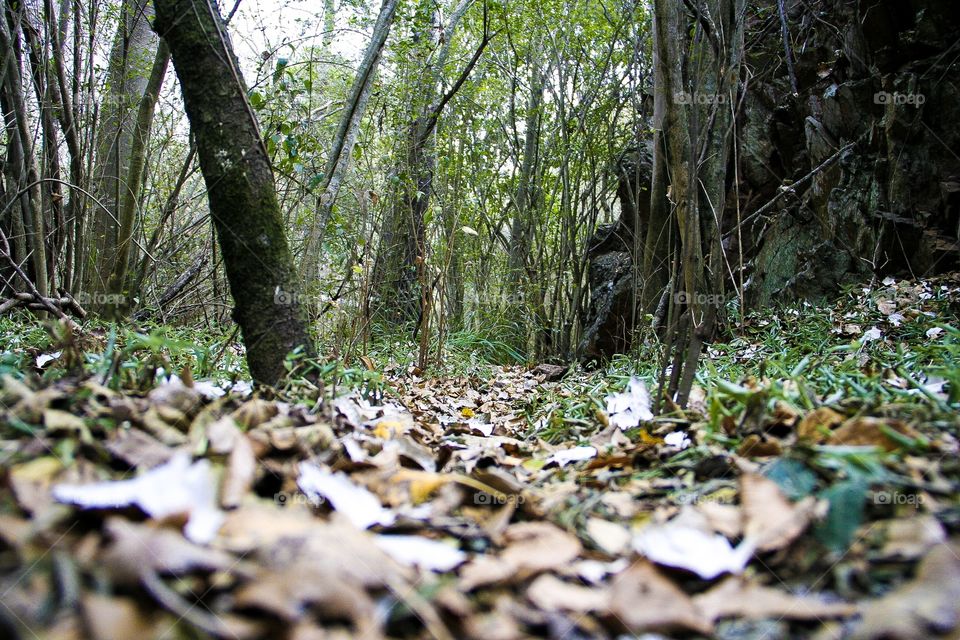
49	306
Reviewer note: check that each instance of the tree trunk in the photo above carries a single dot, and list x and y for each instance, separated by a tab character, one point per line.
403	252
240	185
694	117
130	198
21	144
345	137
134	50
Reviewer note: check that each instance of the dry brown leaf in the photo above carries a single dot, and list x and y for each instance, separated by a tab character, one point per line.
549	593
539	546
611	537
138	448
817	425
223	434
109	618
738	597
138	548
924	608
255	412
869	431
484	570
288	592
644	600
32	481
756	447
910	538
726	519
770	518
240	473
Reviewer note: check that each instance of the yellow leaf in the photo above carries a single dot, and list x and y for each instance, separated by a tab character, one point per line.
646	438
467	412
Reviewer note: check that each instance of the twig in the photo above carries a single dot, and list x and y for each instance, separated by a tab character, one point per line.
46	303
792	187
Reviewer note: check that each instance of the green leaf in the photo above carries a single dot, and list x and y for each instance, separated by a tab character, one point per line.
845	515
793	477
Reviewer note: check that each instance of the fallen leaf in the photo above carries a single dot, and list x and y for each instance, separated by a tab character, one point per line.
359	505
539	546
644	600
140	548
552	594
870	431
417	551
741	598
629	408
910	538
177	487
817	425
239	475
611	537
926	606
771	520
683	546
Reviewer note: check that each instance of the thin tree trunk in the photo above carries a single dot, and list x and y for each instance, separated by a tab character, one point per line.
134	50
130	198
345	137
240	185
26	167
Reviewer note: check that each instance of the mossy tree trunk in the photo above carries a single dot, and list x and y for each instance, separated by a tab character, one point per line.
240	185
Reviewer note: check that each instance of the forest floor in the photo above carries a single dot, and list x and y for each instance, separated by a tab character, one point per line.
810	489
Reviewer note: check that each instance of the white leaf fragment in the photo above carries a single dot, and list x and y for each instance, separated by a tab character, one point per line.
566	456
356	503
626	410
173	488
417	551
685	547
45	358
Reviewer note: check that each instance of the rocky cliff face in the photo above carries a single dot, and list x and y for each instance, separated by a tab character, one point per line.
852	160
877	102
